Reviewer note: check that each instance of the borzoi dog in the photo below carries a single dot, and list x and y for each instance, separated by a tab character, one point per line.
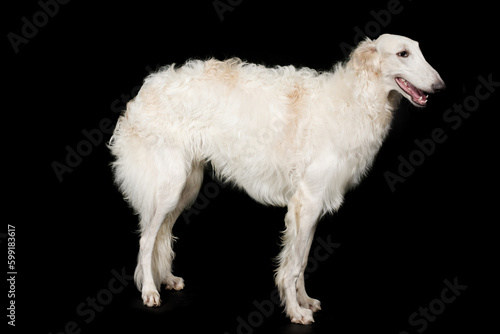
287	136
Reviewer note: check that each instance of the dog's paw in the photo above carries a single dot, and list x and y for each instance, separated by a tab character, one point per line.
174	283
151	298
302	316
312	304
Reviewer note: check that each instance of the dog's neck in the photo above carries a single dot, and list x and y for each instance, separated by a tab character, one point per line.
369	92
393	99
392	103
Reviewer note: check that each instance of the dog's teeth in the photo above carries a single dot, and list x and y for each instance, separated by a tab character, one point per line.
426	97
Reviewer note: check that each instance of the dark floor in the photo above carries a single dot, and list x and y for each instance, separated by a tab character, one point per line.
415	257
356	297
431	271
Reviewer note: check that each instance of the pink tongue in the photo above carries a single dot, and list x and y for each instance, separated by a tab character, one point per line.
417	95
415	92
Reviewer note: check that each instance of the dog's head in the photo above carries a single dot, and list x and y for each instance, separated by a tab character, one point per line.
402	66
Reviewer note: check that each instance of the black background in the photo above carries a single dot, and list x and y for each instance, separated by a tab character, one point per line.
396	247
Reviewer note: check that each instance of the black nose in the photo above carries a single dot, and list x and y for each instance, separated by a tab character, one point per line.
439	85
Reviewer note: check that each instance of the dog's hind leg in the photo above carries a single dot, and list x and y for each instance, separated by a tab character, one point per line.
165	180
300	220
163	254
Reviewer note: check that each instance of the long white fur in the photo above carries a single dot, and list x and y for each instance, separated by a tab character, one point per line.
287	136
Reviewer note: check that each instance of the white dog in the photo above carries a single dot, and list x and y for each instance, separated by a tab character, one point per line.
288	137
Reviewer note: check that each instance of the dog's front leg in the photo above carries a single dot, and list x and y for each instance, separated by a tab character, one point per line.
302	297
300	220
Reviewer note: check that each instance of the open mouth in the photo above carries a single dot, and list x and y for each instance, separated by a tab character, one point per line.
419	97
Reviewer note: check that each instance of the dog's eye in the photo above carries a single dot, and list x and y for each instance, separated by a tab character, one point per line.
403	54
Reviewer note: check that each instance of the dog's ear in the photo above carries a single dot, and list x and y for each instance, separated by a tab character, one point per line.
365	57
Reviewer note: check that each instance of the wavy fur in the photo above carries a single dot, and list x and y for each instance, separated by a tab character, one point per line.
287	136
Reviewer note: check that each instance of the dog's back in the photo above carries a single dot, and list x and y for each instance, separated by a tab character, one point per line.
249	121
